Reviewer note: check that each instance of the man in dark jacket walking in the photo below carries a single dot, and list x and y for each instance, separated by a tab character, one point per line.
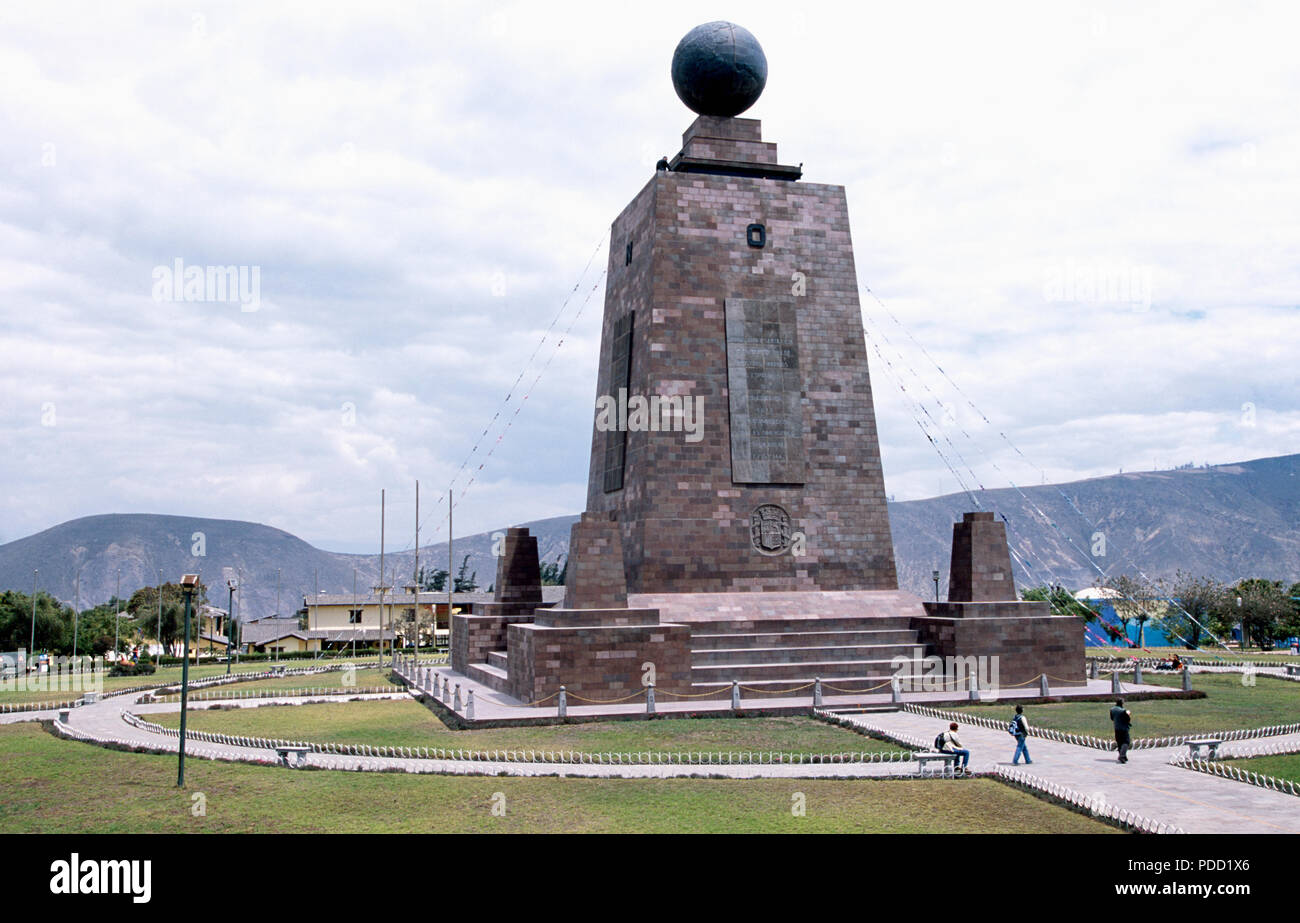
1122	718
1020	731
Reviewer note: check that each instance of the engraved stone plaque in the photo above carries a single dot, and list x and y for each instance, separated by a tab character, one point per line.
764	392
620	370
770	529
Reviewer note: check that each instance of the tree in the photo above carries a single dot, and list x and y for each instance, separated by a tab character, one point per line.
1137	602
1291	624
465	584
143	605
552	575
1197	598
53	622
1061	601
1264	608
432	580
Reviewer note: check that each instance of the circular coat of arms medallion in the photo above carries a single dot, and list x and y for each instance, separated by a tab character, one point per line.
770	529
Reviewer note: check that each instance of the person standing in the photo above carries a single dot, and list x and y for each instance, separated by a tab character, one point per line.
1122	718
1020	731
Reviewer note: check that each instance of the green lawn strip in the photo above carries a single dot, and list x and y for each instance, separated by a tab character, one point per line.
163	675
1282	767
409	724
336	679
50	785
1208	655
1228	705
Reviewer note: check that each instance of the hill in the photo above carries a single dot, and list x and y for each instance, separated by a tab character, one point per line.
1227	521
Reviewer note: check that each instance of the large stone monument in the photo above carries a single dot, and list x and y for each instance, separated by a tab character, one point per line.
736	525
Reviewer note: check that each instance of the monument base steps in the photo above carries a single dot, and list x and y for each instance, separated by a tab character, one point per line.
776	654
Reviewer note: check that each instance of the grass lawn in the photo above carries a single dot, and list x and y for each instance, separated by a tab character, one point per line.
409	724
111	683
1228	705
1283	767
1210	654
50	785
363	678
167	675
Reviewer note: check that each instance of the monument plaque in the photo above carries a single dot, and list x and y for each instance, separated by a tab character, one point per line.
764	392
620	367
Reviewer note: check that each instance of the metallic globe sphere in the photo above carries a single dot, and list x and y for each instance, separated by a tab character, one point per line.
719	69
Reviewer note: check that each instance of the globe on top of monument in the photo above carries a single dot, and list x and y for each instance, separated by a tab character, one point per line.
719	69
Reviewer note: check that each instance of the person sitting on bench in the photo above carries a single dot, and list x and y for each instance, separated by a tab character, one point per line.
951	744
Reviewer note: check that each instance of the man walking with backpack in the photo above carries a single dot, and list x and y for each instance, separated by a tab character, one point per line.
1122	718
1019	729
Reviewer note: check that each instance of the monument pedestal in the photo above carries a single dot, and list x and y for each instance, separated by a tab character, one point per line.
1024	637
597	654
982	617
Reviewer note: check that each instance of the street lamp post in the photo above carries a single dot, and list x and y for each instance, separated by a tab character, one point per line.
230	620
414	590
160	644
117	616
76	620
1242	620
188	583
33	657
934	575
381	589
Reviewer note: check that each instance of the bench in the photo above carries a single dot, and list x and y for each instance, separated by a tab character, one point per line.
299	755
946	759
1209	743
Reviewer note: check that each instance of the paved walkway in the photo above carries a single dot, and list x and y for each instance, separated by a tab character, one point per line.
103	723
1147	784
496	708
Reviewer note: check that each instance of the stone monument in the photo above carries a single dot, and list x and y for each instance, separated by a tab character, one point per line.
736	526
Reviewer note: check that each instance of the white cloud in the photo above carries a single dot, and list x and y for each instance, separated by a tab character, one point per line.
421	189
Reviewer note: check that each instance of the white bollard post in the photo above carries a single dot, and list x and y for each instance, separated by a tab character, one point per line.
1092	669
817	692
564	703
469	705
1137	672
455	703
650	699
1114	682
1187	679
735	695
1043	688
895	692
974	687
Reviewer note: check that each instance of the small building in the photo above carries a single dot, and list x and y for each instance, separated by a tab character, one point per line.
275	635
337	619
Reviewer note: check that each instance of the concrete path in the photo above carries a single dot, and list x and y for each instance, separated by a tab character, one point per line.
497	708
103	723
1146	784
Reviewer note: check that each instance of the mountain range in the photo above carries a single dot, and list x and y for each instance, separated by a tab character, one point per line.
1226	521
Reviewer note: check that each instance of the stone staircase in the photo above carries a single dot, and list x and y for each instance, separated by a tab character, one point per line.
851	653
492	673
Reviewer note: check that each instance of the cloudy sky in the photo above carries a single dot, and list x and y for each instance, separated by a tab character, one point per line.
1088	215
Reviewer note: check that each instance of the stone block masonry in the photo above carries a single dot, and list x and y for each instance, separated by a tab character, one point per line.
598	662
683	254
